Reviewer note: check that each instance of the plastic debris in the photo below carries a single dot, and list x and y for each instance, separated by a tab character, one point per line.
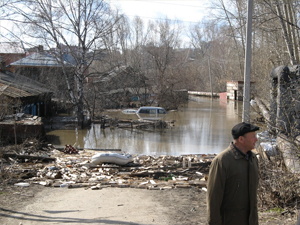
21	184
116	158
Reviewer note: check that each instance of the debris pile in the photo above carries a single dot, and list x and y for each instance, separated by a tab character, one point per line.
76	170
143	124
69	149
19	127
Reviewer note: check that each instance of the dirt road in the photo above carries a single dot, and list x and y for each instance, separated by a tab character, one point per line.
38	205
105	206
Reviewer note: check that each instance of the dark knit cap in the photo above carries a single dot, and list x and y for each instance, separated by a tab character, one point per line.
242	128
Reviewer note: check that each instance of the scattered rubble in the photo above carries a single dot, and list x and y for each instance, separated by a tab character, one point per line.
69	149
19	127
77	170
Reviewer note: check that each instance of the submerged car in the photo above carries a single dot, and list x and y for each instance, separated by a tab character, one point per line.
151	113
129	111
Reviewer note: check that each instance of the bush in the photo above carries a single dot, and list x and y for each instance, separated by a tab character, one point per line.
278	188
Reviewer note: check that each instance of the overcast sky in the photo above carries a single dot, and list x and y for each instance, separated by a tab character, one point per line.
189	11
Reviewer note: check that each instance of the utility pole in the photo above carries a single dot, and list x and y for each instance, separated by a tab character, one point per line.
247	67
210	78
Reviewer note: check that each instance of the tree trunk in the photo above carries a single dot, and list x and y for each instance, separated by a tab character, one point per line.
286	33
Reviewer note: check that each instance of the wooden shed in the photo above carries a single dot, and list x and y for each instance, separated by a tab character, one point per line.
21	94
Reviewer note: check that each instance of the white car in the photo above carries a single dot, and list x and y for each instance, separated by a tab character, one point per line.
129	111
151	113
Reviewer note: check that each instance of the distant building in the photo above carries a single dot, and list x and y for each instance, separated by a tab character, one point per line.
120	87
21	94
9	53
235	90
38	60
46	69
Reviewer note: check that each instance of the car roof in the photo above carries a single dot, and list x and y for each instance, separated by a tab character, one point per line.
150	107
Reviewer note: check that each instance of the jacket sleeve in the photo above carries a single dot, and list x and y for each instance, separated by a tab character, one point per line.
215	192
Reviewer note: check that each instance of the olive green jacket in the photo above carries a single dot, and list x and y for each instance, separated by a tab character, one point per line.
232	189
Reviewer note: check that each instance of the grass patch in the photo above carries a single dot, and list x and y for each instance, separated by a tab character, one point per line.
170	177
276	210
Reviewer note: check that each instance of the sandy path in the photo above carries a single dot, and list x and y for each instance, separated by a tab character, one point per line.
79	206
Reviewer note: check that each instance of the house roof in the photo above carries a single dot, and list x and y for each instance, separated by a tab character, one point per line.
18	86
11	48
39	59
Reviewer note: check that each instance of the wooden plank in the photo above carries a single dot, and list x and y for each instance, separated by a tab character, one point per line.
93	149
32	157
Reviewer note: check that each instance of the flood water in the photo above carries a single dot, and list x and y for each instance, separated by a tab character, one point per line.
203	126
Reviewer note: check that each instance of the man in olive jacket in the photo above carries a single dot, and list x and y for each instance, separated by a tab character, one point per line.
233	180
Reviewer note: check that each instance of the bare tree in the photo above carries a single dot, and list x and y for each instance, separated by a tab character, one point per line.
75	28
215	60
275	40
280	19
163	39
235	19
289	28
135	57
6	29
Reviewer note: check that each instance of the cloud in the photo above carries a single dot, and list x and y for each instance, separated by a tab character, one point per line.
186	11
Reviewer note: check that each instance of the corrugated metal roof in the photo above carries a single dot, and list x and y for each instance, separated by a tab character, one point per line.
11	48
17	86
39	59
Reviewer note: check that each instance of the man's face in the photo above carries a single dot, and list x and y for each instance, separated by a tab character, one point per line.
249	140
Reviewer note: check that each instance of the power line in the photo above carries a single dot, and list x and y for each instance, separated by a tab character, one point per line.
166	2
173	20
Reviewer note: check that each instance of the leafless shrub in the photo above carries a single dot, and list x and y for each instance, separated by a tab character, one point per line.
9	168
5	173
278	188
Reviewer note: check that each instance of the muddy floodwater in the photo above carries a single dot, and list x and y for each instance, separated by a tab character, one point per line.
202	126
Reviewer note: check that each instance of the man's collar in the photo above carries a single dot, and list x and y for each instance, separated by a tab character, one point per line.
239	154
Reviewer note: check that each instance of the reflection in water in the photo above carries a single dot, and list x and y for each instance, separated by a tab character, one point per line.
202	126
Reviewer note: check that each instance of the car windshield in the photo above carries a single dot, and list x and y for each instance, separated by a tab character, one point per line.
161	111
152	111
149	111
